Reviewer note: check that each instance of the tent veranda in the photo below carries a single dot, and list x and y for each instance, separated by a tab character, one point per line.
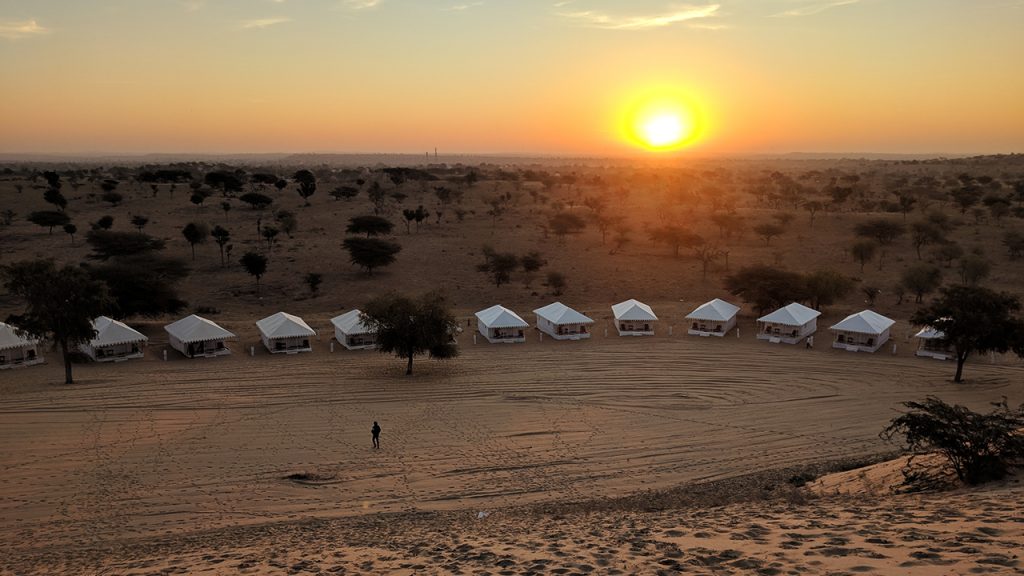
17	350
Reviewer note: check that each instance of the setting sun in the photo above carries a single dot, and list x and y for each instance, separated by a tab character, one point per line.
662	124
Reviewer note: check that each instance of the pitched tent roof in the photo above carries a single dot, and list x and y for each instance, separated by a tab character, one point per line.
197	329
716	310
9	338
350	323
498	316
864	322
794	314
929	333
559	313
633	310
284	325
110	332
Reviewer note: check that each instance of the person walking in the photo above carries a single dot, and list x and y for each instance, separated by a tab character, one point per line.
376	434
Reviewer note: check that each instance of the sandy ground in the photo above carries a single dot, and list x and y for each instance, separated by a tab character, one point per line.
182	453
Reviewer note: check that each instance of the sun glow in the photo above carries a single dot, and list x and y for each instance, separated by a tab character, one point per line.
663	123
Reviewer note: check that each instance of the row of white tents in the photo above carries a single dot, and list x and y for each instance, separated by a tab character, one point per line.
195	336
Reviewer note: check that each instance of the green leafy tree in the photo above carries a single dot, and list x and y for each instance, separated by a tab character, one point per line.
979	447
409	327
974	320
256	265
370	253
60	304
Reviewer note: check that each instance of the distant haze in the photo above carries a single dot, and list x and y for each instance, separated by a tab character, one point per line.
527	77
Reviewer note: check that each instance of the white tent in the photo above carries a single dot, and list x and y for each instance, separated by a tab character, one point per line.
114	341
499	324
933	344
285	333
196	336
713	318
350	331
789	324
864	331
562	322
16	350
634	318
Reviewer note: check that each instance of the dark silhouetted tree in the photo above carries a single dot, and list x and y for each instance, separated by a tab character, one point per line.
409	327
49	219
307	184
70	229
139	222
921	279
863	252
60	304
221	236
974	319
979	447
369	225
370	253
195	233
256	265
498	265
767	287
313	281
107	244
767	231
825	287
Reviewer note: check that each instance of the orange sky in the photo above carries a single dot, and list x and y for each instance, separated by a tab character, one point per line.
496	76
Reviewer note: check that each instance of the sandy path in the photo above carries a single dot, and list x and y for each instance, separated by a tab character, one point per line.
154	448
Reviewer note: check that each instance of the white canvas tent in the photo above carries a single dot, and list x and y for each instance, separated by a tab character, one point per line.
114	341
790	324
634	318
350	331
499	324
17	350
562	322
195	336
864	331
714	318
284	333
933	344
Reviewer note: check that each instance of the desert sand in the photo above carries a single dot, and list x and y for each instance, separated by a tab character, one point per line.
264	464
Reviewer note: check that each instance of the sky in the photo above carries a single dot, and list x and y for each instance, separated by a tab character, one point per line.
509	76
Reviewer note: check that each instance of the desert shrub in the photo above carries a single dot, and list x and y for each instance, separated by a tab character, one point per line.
979	447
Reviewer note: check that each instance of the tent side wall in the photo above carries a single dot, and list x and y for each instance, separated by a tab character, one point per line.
354	341
711	327
933	348
501	335
122	351
178	345
25	355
